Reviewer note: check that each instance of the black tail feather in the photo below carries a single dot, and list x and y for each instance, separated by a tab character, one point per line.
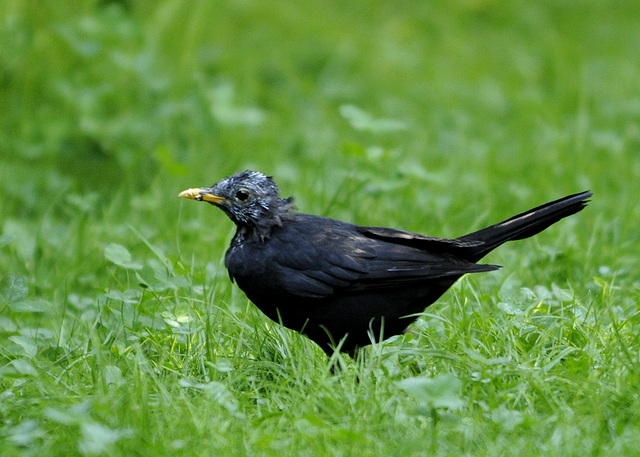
525	225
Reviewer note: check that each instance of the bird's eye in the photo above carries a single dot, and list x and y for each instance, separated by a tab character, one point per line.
242	194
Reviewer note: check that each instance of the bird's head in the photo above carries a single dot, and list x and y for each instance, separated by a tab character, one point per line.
250	198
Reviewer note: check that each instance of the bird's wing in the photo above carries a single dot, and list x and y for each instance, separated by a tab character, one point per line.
337	257
418	241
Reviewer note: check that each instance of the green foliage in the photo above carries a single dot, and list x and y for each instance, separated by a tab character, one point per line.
120	333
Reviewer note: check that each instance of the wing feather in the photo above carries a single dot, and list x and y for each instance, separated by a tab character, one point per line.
342	258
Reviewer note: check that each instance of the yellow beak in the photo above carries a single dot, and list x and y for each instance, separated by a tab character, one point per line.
201	195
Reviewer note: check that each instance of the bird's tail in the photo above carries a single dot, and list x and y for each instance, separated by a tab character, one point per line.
524	225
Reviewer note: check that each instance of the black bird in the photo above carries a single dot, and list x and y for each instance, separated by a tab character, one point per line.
345	285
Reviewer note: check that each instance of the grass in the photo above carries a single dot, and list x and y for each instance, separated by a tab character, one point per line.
120	333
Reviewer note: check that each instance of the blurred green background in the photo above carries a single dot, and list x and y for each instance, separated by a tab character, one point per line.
435	117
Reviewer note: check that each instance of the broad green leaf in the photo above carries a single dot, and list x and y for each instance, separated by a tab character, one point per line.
361	120
130	296
509	309
6	239
13	288
7	325
121	256
75	414
216	390
507	418
97	438
23	366
29	346
25	433
30	306
113	375
442	391
85	203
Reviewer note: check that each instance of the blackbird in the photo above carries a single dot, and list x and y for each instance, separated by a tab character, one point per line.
344	285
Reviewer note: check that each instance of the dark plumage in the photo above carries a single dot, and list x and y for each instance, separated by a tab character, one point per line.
345	285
